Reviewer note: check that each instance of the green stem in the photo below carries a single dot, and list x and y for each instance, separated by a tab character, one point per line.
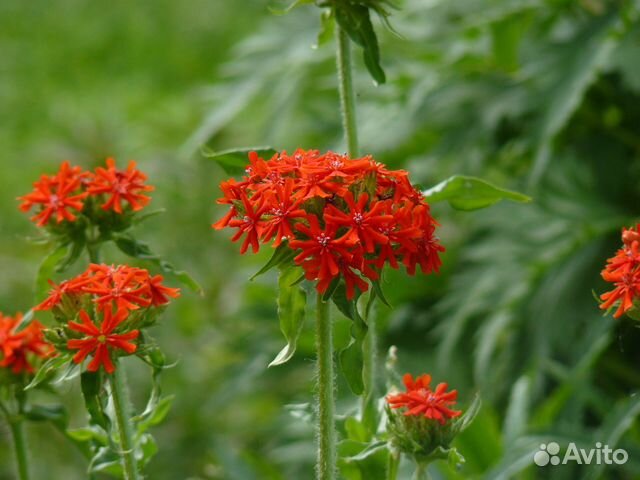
121	406
20	447
393	464
16	424
421	472
347	94
370	353
326	468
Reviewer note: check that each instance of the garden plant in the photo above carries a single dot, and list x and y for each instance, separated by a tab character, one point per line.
406	231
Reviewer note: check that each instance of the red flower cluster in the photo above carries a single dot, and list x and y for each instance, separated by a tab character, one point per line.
623	270
345	217
18	347
63	195
116	291
420	400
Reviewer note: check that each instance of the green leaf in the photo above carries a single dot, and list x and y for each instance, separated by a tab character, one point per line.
93	392
352	356
157	414
517	414
234	161
291	304
327	27
281	256
356	21
47	269
147	450
47	369
55	414
469	415
377	288
137	249
471	193
86	434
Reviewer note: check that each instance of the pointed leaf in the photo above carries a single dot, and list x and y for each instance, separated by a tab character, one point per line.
470	193
291	304
235	160
281	257
352	356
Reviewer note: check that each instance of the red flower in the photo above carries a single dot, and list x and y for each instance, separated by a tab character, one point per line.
128	287
57	196
159	293
121	185
363	223
100	341
74	286
250	224
623	270
420	400
18	347
281	210
360	215
321	252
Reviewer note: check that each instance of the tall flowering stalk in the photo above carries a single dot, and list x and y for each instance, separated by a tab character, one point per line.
339	220
21	352
103	314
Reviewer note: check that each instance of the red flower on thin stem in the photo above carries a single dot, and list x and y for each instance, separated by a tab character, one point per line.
100	341
420	400
58	196
121	186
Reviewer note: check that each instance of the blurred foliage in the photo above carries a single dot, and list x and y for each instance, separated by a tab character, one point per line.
540	96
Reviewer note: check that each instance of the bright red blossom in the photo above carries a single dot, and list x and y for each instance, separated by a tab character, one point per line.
63	196
120	185
19	349
623	271
420	400
344	217
58	196
100	340
123	287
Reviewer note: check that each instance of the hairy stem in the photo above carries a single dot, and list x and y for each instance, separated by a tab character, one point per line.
20	448
347	94
326	468
393	463
421	472
121	406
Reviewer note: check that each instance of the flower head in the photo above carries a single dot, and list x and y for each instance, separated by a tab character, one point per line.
623	271
100	341
345	218
420	400
421	420
109	286
59	197
120	186
20	349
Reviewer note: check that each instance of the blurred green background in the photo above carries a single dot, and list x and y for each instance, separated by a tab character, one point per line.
542	96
